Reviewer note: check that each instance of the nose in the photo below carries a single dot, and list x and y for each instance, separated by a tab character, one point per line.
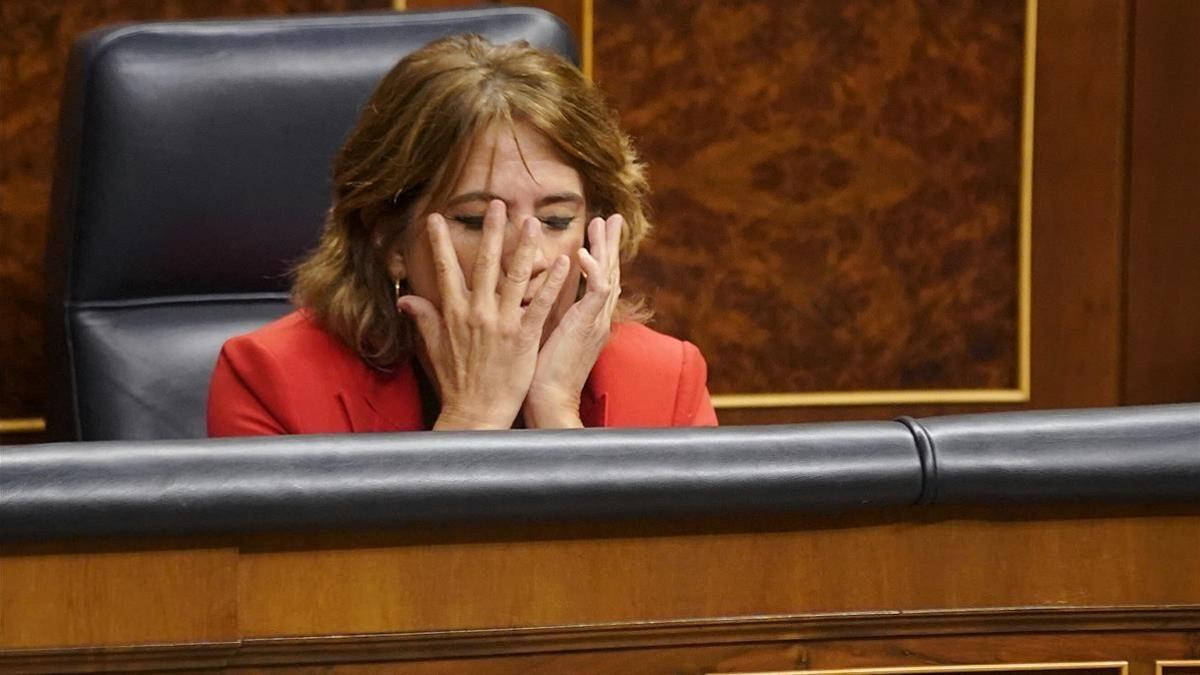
512	238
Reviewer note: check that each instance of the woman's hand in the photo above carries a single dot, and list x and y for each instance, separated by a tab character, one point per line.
482	346
567	357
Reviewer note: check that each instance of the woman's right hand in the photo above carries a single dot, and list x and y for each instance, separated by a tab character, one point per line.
482	345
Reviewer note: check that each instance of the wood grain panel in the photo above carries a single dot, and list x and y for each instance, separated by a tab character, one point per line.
1162	336
570	11
949	558
869	589
80	596
836	185
35	37
1079	202
1080	355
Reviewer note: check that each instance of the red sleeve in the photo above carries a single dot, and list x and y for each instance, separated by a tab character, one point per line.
693	407
240	395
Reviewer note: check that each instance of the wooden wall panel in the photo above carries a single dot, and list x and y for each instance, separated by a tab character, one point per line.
1162	339
570	574
1110	325
836	186
570	11
1079	179
35	37
1079	202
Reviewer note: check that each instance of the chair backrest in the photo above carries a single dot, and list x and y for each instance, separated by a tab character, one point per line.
193	171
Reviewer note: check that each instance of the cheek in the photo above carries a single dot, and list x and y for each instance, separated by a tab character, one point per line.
422	278
566	244
466	245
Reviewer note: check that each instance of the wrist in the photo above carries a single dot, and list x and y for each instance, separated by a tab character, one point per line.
453	419
552	413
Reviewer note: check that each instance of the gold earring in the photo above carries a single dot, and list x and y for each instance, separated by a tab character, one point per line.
396	288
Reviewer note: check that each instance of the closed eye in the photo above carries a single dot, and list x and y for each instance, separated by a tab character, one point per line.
558	222
552	222
470	222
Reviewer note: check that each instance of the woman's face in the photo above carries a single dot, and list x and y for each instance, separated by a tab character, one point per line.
542	186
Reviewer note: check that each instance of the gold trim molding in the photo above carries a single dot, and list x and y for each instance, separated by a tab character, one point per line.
22	425
490	642
1165	667
1119	668
860	398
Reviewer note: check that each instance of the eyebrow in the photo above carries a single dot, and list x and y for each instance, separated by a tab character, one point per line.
485	196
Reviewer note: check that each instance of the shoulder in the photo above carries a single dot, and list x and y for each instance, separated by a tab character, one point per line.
651	379
634	345
295	335
281	378
294	354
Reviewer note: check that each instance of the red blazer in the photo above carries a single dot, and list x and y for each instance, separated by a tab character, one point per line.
292	377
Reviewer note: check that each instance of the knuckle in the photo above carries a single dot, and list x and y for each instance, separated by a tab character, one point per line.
480	317
454	313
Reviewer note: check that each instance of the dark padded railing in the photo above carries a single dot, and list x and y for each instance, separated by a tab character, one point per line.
345	481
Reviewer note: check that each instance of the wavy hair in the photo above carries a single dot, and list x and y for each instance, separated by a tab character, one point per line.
412	142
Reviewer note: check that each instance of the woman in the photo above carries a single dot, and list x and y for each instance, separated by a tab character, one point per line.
469	273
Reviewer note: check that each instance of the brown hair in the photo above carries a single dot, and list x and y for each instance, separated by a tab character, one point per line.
411	142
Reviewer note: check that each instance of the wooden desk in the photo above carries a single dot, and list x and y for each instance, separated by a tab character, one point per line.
913	586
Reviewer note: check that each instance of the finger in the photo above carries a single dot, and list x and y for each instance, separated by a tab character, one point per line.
597	242
445	261
487	258
616	228
613	227
598	286
593	270
516	276
425	315
539	307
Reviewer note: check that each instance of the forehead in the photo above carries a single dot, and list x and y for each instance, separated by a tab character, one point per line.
515	157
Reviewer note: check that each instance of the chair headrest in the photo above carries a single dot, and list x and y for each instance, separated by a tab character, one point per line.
195	156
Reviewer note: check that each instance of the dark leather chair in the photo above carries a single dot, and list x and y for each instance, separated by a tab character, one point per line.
193	171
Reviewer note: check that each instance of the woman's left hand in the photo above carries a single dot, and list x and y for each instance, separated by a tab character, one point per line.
566	359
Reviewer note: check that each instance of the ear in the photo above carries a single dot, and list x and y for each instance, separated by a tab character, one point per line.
396	267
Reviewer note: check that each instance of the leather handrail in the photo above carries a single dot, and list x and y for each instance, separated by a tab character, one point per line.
341	481
1147	453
